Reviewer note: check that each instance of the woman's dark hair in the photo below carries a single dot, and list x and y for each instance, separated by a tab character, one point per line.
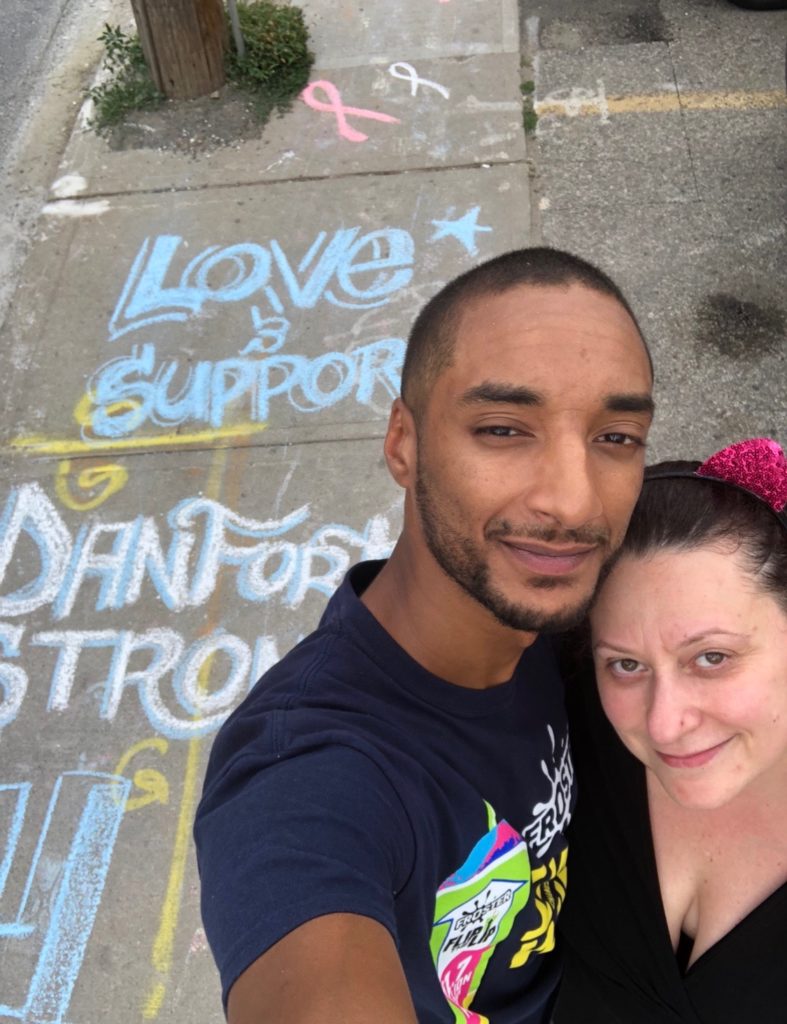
686	512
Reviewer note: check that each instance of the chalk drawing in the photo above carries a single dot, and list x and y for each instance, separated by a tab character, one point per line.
162	950
78	570
572	102
335	106
73	907
139	388
205	538
330	270
150	782
406	72
463	229
104	480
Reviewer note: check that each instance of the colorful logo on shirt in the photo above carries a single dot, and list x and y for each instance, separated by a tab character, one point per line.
474	911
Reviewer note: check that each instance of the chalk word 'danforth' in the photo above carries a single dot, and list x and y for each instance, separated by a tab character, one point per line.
335	106
349	270
135	389
60	920
119	558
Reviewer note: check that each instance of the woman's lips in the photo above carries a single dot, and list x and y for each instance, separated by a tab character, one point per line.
696	760
546	561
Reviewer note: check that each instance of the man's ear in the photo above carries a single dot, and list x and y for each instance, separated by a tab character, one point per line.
401	445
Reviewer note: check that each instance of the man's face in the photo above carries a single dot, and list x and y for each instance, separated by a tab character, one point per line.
531	451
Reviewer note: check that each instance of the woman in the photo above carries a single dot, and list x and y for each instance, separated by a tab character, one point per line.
677	895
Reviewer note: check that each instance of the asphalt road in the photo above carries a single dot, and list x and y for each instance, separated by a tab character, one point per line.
28	28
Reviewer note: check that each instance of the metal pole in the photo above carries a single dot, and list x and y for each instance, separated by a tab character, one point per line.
237	35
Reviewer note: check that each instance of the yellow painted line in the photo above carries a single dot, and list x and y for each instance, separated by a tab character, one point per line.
164	942
40	444
661	103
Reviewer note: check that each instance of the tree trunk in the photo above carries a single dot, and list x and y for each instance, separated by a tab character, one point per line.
183	42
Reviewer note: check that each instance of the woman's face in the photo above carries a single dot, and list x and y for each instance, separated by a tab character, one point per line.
691	661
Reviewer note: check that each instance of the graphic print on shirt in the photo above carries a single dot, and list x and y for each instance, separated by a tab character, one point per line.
475	910
549	879
551	816
476	907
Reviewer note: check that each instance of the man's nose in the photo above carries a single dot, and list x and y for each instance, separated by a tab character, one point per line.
672	711
565	487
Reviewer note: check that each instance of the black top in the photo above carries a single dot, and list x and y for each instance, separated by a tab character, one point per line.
352	780
621	968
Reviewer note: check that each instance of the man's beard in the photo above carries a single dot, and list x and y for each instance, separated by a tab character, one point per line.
460	560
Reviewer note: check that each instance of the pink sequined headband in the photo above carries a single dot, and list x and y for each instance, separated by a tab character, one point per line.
757	466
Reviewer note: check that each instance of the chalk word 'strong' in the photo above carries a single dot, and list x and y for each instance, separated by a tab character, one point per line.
56	926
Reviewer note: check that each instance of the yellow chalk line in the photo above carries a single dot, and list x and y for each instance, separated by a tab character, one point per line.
662	103
40	444
164	942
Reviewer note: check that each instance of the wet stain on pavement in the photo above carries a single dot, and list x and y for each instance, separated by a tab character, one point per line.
649	26
603	27
738	328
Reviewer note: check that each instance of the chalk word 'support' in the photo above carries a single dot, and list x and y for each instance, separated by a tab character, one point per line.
135	389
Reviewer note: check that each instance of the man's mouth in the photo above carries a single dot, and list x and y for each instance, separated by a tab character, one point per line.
548	559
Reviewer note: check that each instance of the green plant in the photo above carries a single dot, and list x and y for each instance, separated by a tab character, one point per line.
529	115
128	85
278	60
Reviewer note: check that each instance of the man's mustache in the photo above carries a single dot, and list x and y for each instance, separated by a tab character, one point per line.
595	536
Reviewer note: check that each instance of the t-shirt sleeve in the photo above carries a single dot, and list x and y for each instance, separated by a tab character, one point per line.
317	833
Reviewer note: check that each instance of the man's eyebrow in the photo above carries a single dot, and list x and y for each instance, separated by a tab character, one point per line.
630	403
501	394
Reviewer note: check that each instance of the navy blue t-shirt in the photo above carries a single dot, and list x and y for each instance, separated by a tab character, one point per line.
351	780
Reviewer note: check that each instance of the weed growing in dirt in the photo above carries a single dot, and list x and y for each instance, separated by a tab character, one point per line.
277	61
273	71
529	115
128	85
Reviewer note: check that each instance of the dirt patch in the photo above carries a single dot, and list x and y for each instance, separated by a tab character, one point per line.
225	118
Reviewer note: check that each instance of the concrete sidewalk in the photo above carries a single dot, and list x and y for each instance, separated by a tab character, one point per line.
201	354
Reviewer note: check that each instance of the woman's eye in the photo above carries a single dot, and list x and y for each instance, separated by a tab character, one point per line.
711	659
625	666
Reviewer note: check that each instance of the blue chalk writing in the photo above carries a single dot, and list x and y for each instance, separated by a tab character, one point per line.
81	882
363	271
133	390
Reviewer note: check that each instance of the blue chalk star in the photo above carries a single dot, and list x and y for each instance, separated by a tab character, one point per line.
464	229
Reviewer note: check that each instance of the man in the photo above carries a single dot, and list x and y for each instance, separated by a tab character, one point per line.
381	836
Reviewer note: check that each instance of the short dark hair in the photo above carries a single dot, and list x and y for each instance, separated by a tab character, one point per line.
686	512
431	342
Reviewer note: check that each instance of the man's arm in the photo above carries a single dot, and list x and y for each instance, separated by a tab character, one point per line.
336	969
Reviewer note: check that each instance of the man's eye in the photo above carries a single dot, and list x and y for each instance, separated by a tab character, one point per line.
498	431
615	437
711	659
